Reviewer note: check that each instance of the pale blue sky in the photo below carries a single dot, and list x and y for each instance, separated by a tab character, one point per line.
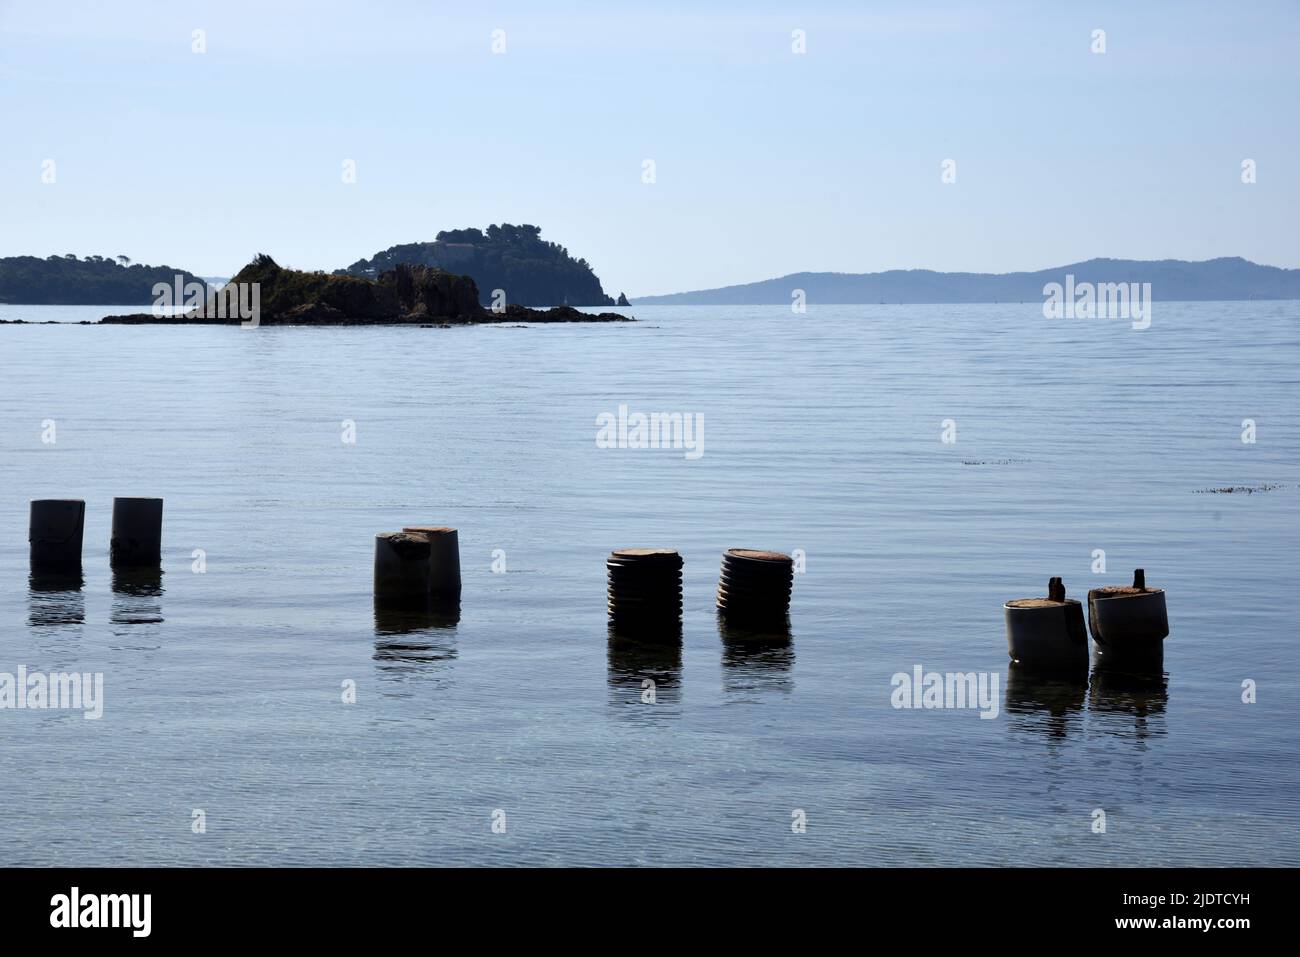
767	162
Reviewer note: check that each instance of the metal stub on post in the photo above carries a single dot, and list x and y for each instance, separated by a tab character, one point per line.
644	592
1047	633
444	558
137	531
1140	579
401	566
54	531
755	586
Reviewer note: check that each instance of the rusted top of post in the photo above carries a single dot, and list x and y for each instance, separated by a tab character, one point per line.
429	531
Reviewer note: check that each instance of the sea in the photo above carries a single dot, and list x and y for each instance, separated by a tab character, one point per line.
922	464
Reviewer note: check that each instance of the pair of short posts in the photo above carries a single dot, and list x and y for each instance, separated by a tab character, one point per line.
56	528
421	563
1128	623
644	589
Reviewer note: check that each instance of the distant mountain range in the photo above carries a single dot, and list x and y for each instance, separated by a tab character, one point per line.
1170	279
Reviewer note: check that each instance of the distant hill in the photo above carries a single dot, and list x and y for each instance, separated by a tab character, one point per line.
1171	279
532	271
95	280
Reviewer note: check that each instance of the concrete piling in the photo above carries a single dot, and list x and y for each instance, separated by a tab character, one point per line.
54	532
1129	623
444	559
1049	632
401	567
754	586
137	532
644	591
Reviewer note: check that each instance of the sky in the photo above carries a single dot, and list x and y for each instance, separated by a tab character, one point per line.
766	161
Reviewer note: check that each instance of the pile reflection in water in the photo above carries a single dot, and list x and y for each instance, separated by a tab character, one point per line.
415	637
55	598
756	658
1056	703
1047	701
1139	695
645	667
137	591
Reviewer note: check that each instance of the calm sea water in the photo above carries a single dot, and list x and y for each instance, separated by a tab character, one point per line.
822	433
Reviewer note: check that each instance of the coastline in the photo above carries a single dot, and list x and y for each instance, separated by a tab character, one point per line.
511	314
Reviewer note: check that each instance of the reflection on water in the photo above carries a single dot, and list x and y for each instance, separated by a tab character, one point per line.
55	598
645	669
409	617
1055	704
136	594
1047	702
415	639
1145	657
1141	696
756	659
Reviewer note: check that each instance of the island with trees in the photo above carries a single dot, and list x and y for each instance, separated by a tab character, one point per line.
403	295
527	269
94	280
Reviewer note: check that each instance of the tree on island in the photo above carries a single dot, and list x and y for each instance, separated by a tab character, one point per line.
95	280
530	270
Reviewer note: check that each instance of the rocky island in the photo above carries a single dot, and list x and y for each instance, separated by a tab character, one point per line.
403	295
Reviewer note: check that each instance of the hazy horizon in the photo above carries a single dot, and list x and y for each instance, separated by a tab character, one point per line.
767	162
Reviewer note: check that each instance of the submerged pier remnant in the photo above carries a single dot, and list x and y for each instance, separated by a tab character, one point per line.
54	532
419	566
137	532
444	559
755	586
644	591
1129	622
401	566
1047	632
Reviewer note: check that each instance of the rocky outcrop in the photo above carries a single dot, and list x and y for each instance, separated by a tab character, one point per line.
428	293
414	295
